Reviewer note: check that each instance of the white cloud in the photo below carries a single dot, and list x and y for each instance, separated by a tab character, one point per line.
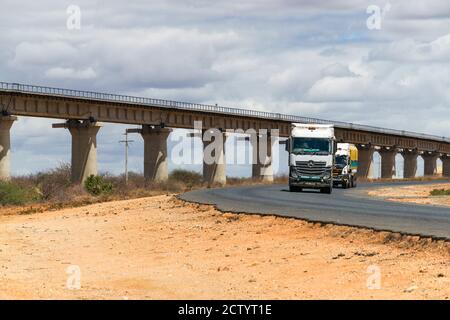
338	89
70	73
29	54
337	70
161	58
410	50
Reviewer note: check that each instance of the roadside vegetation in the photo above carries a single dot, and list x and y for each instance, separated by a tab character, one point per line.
423	178
440	192
11	193
53	189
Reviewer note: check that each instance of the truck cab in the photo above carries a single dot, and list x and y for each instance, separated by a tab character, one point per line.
346	165
311	150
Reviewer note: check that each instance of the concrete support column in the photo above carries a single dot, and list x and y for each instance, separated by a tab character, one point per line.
365	161
387	162
6	123
262	168
155	153
429	163
84	148
409	163
214	164
445	165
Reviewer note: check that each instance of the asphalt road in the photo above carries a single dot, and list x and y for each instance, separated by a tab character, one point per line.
344	206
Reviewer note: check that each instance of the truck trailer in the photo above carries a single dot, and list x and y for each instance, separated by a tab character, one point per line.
311	150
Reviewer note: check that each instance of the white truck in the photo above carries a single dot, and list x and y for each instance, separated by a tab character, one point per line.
346	165
311	150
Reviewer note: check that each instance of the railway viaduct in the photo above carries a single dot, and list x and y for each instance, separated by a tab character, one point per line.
84	111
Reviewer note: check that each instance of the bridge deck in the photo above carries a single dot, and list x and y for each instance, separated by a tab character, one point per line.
40	101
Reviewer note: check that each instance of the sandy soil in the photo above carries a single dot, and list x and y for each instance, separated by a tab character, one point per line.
414	194
161	248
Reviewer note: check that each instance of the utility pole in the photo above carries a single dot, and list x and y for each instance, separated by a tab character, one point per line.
127	144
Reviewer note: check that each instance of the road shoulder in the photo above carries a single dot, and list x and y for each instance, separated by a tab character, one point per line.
164	248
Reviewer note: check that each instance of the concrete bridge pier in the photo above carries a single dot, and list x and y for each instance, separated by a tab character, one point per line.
387	162
409	163
429	163
214	164
155	153
6	123
84	147
445	165
365	161
262	168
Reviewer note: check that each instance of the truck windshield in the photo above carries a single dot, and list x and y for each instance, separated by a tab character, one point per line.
311	146
341	160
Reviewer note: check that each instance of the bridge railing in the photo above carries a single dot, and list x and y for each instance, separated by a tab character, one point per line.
25	88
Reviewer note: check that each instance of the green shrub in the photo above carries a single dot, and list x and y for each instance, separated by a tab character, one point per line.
96	185
52	184
440	192
189	178
11	193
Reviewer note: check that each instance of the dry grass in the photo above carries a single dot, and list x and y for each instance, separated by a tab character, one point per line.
426	178
52	190
428	194
440	192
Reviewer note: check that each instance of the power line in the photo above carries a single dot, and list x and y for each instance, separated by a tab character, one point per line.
127	145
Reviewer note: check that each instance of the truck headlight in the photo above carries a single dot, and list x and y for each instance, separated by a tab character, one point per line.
345	170
293	173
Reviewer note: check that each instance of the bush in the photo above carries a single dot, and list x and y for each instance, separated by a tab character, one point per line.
135	181
11	193
96	185
189	178
54	183
440	192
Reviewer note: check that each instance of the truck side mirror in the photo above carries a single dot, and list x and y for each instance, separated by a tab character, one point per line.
287	144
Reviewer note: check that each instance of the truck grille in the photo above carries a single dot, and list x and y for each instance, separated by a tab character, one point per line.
337	172
311	167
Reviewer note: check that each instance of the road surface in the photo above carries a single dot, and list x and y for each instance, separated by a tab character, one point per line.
351	207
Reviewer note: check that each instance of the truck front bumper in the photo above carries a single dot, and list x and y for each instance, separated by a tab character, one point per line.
341	179
309	183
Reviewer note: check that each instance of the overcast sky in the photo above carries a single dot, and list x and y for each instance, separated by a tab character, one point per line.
310	58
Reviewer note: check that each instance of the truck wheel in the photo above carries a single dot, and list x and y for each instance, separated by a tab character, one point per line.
353	182
345	184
